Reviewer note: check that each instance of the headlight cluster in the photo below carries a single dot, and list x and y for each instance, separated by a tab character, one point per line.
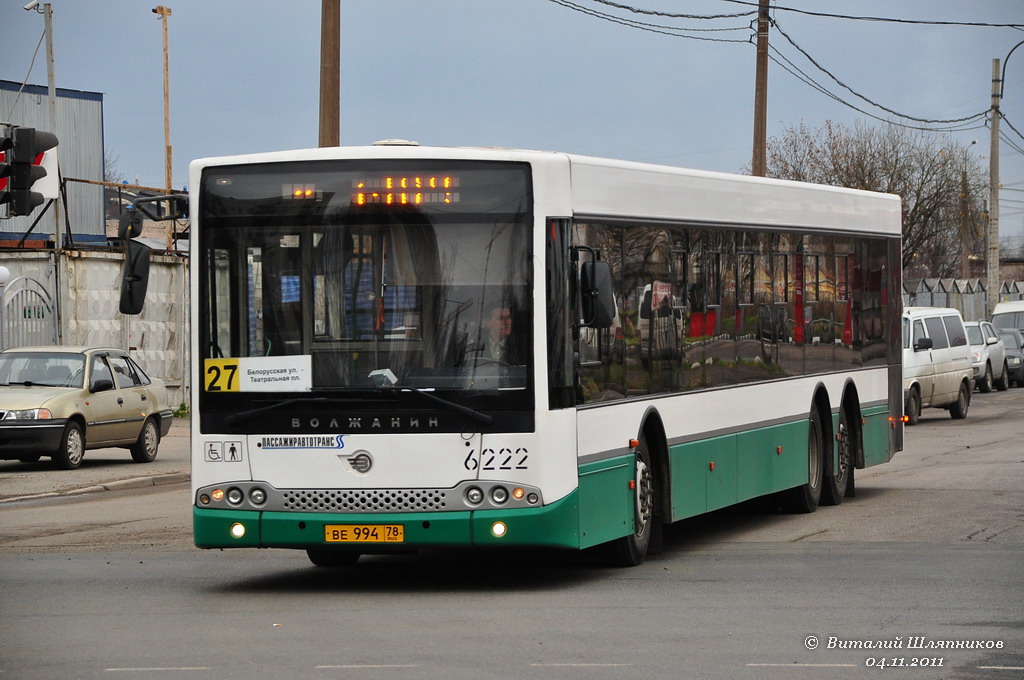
29	414
234	496
498	495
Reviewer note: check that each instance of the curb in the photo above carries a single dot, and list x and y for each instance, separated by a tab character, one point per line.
119	485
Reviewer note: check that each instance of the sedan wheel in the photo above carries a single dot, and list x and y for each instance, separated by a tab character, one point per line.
144	450
72	448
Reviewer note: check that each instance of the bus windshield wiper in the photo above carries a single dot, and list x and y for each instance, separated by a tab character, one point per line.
236	418
386	380
450	405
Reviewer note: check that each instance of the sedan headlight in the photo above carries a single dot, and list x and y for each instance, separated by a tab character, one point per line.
29	414
1013	361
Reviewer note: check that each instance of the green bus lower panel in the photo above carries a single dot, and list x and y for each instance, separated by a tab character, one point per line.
606	500
555	525
876	436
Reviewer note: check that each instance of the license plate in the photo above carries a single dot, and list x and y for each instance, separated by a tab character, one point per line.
364	533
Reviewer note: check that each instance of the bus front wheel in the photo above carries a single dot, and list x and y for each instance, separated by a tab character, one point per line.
630	551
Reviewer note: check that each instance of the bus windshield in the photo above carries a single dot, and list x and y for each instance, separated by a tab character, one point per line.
369	275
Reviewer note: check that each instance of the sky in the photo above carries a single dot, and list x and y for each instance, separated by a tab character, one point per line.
559	75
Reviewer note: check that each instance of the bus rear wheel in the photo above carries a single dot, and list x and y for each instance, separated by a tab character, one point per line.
805	498
630	551
837	484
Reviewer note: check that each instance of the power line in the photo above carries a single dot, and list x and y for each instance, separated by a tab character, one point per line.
1010	125
966	123
654	12
27	75
859	95
924	22
672	31
800	75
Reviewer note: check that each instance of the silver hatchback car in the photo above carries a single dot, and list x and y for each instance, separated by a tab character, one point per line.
61	401
988	356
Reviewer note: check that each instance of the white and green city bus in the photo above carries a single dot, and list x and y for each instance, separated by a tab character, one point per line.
399	347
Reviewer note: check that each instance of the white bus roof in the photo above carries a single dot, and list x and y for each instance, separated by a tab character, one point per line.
605	189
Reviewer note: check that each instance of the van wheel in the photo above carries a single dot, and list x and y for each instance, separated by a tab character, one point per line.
985	384
913	406
963	401
1003	383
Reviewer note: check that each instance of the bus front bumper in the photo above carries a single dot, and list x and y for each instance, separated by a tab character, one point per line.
553	526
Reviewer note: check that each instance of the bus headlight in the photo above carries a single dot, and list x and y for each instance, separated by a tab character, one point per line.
499	529
474	495
237	530
499	494
258	496
235	496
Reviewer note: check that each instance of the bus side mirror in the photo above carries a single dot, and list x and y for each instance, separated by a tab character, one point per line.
134	278
597	302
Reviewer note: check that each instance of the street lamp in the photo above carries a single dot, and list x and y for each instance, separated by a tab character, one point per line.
5	276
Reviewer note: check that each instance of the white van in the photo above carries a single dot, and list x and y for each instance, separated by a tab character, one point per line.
1009	315
937	369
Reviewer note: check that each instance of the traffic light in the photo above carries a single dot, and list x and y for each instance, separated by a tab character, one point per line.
23	148
6	143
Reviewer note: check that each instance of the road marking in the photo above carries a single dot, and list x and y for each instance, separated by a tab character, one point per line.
802	665
1002	668
579	665
169	668
369	665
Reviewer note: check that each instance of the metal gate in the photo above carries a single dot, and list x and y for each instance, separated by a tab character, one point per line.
29	315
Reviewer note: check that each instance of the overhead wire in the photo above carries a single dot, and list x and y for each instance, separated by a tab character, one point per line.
922	22
971	122
672	31
27	75
861	96
673	15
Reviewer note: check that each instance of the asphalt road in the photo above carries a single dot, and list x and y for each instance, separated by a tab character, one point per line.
106	584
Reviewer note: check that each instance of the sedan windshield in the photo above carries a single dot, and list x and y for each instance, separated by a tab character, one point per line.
42	369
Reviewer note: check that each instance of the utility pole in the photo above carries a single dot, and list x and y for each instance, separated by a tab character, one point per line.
165	12
759	163
330	73
992	237
51	85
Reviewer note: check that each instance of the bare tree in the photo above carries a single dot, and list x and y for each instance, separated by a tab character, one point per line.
940	181
111	199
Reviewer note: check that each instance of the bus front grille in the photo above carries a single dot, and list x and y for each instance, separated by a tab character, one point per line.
365	500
